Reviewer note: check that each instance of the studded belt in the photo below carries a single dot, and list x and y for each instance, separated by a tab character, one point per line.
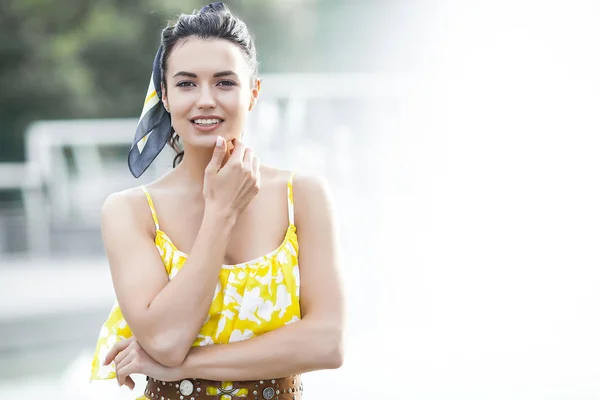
289	388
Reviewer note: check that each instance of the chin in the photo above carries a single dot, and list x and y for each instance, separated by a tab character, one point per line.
207	140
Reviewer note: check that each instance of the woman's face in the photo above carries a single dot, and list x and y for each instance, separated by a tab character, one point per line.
208	90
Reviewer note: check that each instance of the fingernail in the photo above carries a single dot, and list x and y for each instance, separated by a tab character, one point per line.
220	141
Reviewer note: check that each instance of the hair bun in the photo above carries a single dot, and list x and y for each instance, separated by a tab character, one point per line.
216	7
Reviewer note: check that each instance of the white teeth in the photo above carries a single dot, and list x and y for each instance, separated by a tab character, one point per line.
205	121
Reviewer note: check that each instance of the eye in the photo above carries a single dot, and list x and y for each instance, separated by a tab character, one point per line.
184	84
226	83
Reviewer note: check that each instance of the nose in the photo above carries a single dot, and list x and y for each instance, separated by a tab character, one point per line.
206	98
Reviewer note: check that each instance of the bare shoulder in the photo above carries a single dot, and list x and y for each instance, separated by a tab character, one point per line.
122	201
273	177
310	186
133	200
126	206
302	181
311	193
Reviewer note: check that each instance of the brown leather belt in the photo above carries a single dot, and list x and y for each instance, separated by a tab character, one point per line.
289	388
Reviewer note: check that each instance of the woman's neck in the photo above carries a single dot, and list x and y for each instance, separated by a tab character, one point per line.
195	161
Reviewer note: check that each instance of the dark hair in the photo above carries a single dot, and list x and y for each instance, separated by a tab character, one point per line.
212	23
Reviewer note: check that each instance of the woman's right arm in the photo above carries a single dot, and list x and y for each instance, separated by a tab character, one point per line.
164	316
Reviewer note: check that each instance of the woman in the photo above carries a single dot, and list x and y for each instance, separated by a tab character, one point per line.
213	330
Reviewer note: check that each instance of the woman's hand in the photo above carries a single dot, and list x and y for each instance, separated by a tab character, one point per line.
230	186
130	358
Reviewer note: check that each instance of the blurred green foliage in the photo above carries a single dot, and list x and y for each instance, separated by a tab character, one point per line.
92	58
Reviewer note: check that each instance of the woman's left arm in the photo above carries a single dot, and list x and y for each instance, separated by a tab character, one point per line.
313	343
316	341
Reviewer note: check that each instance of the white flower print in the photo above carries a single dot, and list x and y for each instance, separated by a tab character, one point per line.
226	314
266	279
231	295
103	332
167	253
111	340
105	370
205	340
253	306
217	290
279	278
296	273
265	309
283	257
291	249
283	301
237	335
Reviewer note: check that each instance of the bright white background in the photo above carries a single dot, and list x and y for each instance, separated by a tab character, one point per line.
492	254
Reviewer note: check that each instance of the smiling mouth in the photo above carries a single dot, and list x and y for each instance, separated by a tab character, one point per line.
207	121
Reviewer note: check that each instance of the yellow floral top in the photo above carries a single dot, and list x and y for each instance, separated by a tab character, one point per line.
250	298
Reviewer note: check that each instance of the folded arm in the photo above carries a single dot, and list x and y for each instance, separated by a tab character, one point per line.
164	316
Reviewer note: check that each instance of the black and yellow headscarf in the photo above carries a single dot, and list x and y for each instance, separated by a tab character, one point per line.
154	126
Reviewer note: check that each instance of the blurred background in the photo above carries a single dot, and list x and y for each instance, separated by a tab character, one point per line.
461	142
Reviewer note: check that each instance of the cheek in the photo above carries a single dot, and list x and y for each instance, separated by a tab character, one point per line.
236	110
231	98
180	103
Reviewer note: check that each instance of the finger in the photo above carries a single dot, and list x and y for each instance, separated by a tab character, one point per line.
228	152
256	170
217	159
129	382
238	150
248	157
125	375
119	358
124	361
255	166
116	349
121	365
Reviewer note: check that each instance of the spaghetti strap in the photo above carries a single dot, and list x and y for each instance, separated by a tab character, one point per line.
290	194
151	204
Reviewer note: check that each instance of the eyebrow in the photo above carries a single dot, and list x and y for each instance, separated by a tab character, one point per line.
216	75
224	73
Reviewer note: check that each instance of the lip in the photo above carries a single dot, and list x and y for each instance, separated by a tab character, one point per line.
206	117
209	128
